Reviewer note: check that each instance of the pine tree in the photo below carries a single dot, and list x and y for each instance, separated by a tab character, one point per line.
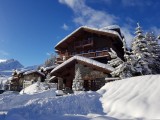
154	50
78	81
117	63
50	61
127	68
140	50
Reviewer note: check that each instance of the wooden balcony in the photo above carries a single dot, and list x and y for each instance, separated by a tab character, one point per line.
96	54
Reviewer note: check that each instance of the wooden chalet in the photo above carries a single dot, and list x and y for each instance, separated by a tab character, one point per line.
31	77
86	50
16	81
22	79
93	73
90	43
14	84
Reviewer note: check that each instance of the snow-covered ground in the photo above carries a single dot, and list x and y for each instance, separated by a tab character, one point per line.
136	97
35	88
133	98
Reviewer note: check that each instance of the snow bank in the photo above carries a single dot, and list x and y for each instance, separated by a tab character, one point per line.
53	108
133	98
35	88
137	97
10	100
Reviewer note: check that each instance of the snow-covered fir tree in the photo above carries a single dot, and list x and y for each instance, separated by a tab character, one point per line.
78	81
141	51
116	62
154	50
143	59
124	69
50	61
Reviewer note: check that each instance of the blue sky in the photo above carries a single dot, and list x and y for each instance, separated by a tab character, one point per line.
29	29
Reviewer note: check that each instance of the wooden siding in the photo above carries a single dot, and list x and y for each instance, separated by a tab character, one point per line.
90	45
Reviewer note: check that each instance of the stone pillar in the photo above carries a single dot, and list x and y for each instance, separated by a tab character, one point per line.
60	83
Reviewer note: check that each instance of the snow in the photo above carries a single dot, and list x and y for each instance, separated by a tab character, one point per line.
52	77
11	100
95	29
33	71
2	60
35	88
59	92
68	106
48	68
84	59
132	98
136	97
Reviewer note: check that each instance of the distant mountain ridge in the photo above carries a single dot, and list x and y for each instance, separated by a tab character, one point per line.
10	64
7	66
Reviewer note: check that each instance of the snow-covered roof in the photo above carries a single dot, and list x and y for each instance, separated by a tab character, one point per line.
10	78
48	68
22	71
86	60
52	77
89	28
111	27
34	71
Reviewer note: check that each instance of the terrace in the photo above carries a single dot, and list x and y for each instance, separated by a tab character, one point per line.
89	54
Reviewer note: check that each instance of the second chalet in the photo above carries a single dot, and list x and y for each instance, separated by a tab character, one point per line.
83	56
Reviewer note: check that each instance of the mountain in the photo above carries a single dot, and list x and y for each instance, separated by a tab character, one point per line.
6	66
10	64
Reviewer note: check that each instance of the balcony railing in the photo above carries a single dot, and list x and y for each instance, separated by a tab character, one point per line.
95	54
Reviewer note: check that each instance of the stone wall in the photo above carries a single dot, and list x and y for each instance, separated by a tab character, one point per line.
87	79
89	73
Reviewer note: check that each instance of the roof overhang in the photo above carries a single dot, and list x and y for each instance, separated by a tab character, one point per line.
34	72
79	31
85	61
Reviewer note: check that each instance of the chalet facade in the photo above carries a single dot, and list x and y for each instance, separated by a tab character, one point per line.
83	56
22	79
31	77
16	81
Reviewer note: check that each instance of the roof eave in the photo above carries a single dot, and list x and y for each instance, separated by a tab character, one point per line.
89	28
83	59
